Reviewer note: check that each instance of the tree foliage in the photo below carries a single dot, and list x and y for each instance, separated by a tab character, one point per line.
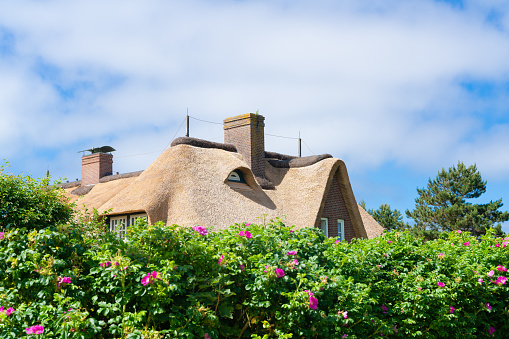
443	206
29	202
390	219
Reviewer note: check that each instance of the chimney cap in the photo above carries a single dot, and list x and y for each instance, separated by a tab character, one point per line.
103	149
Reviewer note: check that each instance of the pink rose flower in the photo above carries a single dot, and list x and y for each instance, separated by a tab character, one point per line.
292	253
220	260
279	272
206	336
245	234
149	278
2	234
440	255
491	330
440	284
36	329
345	315
451	310
501	268
488	306
480	281
490	273
500	280
64	280
466	243
313	302
9	311
200	229
242	268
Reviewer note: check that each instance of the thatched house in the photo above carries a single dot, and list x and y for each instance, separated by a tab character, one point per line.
197	182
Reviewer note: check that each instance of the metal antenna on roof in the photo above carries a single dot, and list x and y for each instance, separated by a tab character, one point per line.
187	123
300	146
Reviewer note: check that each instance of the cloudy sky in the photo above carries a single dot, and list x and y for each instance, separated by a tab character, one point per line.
396	88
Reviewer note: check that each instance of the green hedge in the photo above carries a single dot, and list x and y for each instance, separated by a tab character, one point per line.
65	276
269	282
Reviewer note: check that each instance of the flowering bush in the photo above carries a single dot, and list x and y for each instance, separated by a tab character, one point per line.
248	281
166	281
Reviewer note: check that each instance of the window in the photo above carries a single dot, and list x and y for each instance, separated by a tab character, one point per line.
236	176
135	217
324	226
118	225
236	181
341	229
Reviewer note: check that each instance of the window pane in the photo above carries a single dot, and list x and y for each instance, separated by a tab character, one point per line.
324	226
341	229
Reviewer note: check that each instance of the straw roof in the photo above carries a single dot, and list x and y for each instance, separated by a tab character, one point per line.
187	185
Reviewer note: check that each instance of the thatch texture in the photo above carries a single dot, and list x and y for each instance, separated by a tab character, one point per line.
100	193
187	185
299	162
120	176
82	190
278	156
71	184
372	227
203	144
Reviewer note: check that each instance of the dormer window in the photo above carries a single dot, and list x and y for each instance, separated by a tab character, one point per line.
236	181
236	176
119	223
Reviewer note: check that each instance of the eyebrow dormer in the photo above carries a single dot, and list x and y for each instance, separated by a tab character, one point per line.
236	180
236	176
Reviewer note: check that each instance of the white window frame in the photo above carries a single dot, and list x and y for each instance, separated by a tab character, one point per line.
134	217
341	229
118	225
234	176
326	230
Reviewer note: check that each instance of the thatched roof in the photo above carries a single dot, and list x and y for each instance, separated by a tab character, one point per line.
373	228
187	185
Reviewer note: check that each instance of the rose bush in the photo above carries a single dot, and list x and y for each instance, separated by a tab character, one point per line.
72	279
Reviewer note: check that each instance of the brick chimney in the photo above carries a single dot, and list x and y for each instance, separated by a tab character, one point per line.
94	167
246	132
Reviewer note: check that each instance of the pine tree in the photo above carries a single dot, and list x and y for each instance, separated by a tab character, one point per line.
388	218
442	205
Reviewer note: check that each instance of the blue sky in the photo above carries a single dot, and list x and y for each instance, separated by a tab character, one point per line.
396	88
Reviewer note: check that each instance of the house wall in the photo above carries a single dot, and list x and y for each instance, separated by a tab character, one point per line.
246	132
94	167
334	209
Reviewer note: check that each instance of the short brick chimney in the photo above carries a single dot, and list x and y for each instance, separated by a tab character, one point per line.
95	166
246	132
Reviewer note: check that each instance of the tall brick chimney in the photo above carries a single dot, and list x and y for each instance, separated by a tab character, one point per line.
95	166
246	132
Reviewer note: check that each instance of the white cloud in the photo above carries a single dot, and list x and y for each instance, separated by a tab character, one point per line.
368	81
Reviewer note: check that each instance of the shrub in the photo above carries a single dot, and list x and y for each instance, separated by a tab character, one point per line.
73	280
